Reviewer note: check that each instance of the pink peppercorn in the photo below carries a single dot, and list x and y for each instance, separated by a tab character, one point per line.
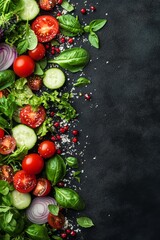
83	10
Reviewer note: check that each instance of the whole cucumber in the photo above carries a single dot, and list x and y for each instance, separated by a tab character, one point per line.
7	78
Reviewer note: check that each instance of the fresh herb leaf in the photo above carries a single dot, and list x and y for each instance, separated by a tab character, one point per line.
76	175
70	24
7	106
4	187
72	162
97	24
45	127
38	232
54	209
4	124
82	81
93	39
56	237
67	6
38	69
85	222
22	46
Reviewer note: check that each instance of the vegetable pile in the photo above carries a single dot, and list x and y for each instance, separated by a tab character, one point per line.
35	113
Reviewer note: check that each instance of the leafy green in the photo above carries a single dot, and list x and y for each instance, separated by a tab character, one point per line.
7	78
54	209
74	59
85	222
4	187
67	6
68	198
37	232
93	39
72	162
45	127
82	81
76	175
38	69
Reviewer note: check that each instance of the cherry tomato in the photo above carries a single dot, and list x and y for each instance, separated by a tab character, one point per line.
33	163
38	53
1	133
1	94
45	27
23	66
47	4
56	222
6	173
31	117
42	188
34	82
7	144
47	149
24	182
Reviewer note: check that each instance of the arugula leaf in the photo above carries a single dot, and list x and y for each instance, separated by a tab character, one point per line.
67	6
82	81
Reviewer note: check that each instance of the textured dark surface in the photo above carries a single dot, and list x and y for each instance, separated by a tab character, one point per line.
122	189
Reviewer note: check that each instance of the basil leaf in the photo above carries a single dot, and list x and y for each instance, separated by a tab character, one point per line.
22	46
97	24
93	39
37	232
68	198
55	169
67	6
72	162
82	81
87	28
67	33
4	123
85	222
54	209
7	78
4	187
74	59
70	24
38	70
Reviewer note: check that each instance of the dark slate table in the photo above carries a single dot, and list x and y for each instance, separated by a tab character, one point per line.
122	188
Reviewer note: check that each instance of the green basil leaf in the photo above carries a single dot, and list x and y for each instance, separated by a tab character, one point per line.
82	81
70	24
37	232
22	46
55	169
4	187
97	24
68	198
85	222
67	33
94	40
87	28
7	78
67	6
54	209
38	70
72	162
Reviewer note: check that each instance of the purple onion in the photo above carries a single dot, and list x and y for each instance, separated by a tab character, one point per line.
7	56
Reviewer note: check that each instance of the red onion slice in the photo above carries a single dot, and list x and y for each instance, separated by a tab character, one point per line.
7	56
38	211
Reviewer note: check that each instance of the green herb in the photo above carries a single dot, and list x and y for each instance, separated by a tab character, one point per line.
54	209
56	237
74	59
7	78
45	127
67	6
4	187
94	40
82	81
76	175
85	222
37	232
38	69
68	198
72	162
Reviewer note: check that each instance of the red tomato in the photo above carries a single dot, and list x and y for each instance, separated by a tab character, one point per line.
47	149
45	27
47	4
7	144
1	94
1	133
34	82
23	66
43	187
57	222
6	173
38	53
24	182
31	117
33	163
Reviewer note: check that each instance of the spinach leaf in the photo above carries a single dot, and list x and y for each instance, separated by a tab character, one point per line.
68	198
85	222
67	6
74	59
82	81
70	24
72	162
55	169
37	232
54	209
93	39
4	187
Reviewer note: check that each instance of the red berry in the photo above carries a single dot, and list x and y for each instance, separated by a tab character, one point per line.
52	52
58	151
70	40
87	96
74	140
52	114
62	130
58	137
59	2
66	128
59	14
60	184
62	40
68	231
73	233
75	132
57	50
63	235
53	138
83	10
56	124
93	8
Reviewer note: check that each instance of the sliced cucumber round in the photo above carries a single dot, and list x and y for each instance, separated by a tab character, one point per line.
20	200
24	136
54	78
30	9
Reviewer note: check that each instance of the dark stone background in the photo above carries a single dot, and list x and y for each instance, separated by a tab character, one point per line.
122	188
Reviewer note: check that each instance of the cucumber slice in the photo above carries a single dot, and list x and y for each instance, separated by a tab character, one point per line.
54	78
30	9
20	200
24	136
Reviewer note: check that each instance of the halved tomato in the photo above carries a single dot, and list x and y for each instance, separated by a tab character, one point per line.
45	27
24	182
7	144
32	118
56	222
6	173
42	188
47	4
1	133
